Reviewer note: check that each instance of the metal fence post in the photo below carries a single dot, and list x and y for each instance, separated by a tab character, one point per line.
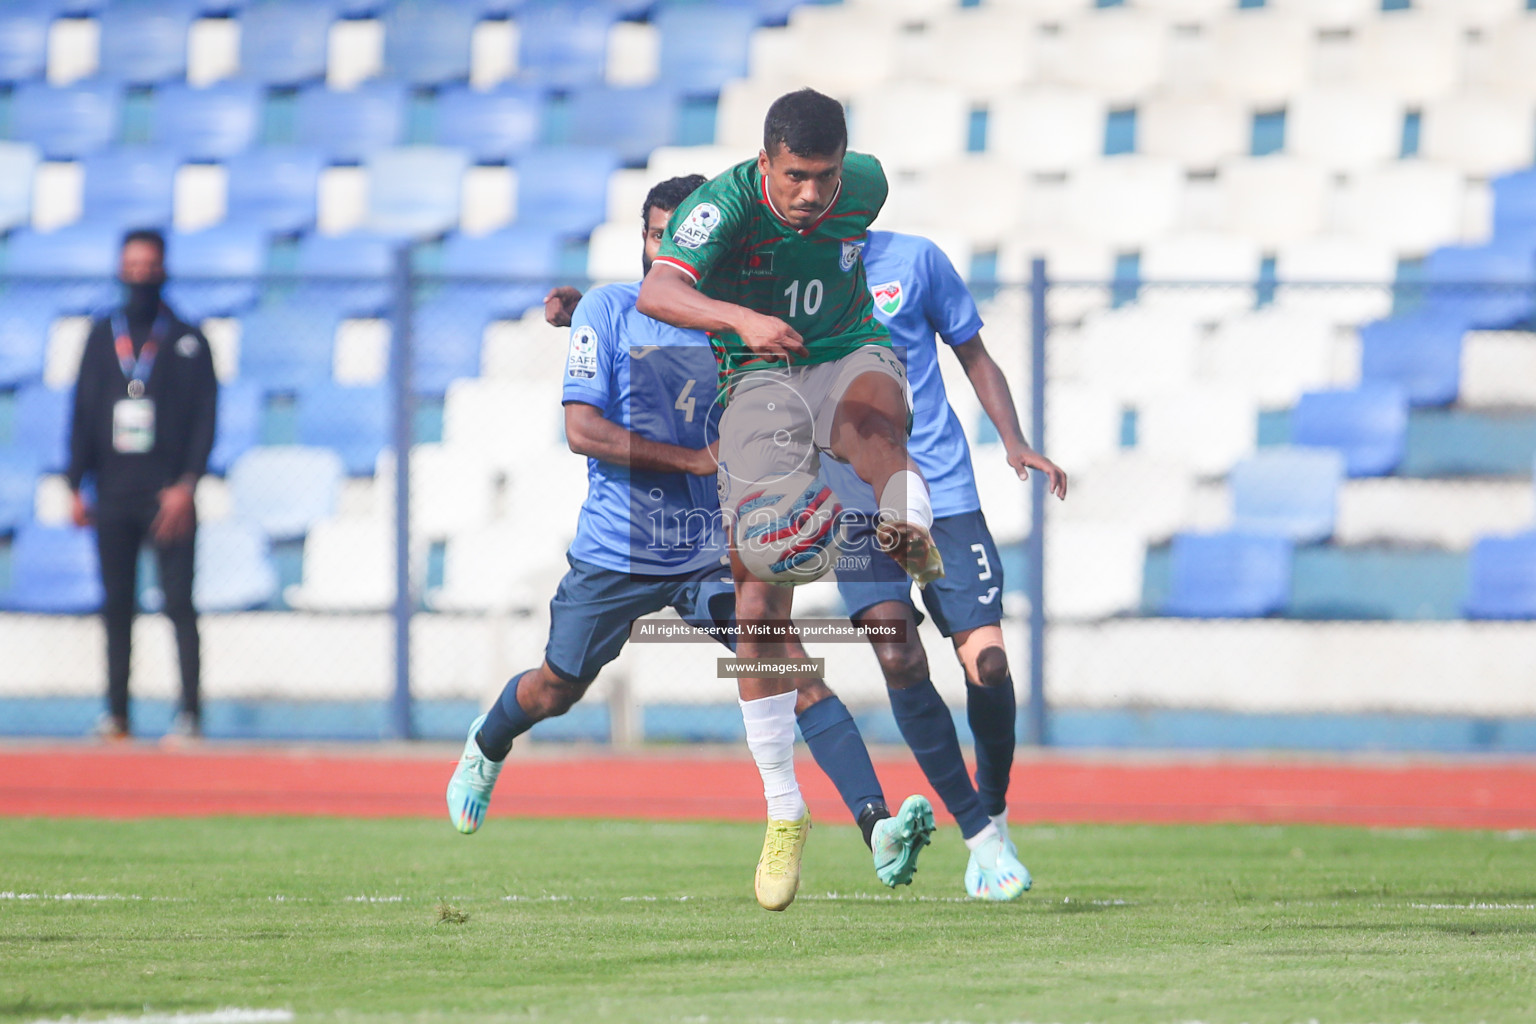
1035	727
401	409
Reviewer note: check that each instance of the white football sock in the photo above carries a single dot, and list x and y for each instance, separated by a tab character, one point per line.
990	832
1001	821
906	499
770	723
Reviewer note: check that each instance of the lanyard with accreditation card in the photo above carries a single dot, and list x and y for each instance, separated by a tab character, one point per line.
133	418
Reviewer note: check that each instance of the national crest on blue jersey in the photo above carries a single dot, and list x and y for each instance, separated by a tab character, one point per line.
581	358
888	297
850	256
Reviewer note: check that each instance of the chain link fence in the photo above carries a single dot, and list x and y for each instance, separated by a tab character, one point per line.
1276	534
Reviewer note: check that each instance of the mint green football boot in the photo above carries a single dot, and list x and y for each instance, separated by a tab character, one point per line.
469	791
897	841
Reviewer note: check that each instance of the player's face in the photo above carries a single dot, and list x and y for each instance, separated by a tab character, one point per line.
655	232
141	263
801	187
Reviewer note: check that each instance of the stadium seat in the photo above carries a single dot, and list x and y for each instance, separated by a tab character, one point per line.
703	46
414	191
987	50
1306	268
348	273
18	488
1514	207
1116	53
1505	64
285	347
349	566
54	571
1092	570
1502	578
1413	56
564	188
66	122
1048	129
480	414
1420	353
813	49
212	123
37	261
1343	128
488	570
1127	201
354	422
283	42
453	489
1411	205
1488	286
1205	429
448	329
1199	130
1138	353
1480	134
18	163
144	42
1221	267
1273	200
1369	426
274	188
349	127
286	488
226	251
40	424
234	567
1261	57
23	341
238	430
24	39
631	121
1228	575
565	45
911	125
130	187
1272	355
495	125
1287	492
427	43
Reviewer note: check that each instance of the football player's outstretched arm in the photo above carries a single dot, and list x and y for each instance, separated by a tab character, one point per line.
996	398
667	295
589	433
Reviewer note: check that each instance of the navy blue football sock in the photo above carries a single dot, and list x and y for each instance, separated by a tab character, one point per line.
991	712
926	725
839	750
504	722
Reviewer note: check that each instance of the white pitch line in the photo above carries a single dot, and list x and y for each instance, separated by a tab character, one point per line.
86	897
227	1015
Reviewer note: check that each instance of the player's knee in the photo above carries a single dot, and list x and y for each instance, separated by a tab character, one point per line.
550	695
992	668
809	692
904	665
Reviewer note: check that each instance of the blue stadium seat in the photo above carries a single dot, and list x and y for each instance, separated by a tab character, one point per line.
1420	352
1368	425
353	422
275	188
564	45
1288	492
283	42
18	165
495	126
631	121
68	122
286	488
428	43
287	346
227	251
24	39
1229	575
130	187
144	42
1502	583
234	567
414	191
447	331
18	489
212	123
704	46
78	250
54	571
565	187
350	126
1514	207
23	339
349	274
40	424
1489	286
241	404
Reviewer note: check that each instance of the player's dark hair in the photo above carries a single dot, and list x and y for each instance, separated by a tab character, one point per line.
151	235
807	123
669	194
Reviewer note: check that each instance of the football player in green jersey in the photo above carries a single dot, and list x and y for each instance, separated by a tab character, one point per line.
767	258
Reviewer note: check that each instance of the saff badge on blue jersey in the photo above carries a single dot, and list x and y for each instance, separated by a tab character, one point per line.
581	359
888	297
850	257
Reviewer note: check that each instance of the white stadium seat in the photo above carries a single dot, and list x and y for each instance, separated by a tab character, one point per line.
1199	130
1082	425
909	125
1413	55
1509	53
349	566
1260	56
1125	201
613	251
1270	356
1069	257
1273	199
453	489
1048	128
743	104
1412	205
679	161
1154	499
1117	53
984	50
1498	368
1093	570
1186	12
978	196
1204	428
1342	128
503	420
1483	134
1329	14
1222	266
1367	263
814	49
495	569
1137	352
1004	497
1478	14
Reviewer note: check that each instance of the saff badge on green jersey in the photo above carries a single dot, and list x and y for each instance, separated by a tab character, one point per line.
888	297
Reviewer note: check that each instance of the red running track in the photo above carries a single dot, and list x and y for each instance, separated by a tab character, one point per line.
135	781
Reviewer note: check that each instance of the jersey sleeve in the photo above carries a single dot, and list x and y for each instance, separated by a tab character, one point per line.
947	302
589	354
706	226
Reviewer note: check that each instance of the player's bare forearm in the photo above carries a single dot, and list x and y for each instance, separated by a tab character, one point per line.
589	433
992	391
668	295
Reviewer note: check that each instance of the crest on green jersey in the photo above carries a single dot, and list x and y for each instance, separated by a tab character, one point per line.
850	256
888	297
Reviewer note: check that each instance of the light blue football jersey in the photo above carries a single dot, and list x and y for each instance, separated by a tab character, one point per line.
658	381
919	296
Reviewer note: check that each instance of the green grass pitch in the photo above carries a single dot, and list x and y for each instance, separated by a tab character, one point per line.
633	921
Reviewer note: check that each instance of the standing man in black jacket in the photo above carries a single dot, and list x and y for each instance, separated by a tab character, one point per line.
145	403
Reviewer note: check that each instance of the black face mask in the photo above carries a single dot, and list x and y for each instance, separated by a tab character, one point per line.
142	300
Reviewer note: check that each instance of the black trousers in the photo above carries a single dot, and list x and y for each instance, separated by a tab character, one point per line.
121	530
